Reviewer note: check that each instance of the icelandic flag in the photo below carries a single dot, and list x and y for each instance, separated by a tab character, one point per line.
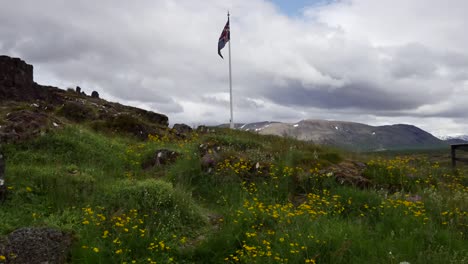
224	38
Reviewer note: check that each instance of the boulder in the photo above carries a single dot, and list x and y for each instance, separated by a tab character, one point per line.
349	173
16	79
181	129
3	188
78	90
36	245
209	147
17	84
161	157
77	111
23	125
202	129
152	117
209	161
94	94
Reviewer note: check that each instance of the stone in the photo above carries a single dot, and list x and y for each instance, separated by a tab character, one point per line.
181	129
208	147
78	90
23	125
348	173
77	111
209	161
202	129
36	246
17	84
3	188
152	117
161	157
94	94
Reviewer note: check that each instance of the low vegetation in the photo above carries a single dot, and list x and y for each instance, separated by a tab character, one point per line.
261	199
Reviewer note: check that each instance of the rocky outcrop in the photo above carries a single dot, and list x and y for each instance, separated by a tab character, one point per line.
95	94
182	128
77	111
349	173
18	90
162	157
26	124
17	83
16	79
3	188
152	117
36	245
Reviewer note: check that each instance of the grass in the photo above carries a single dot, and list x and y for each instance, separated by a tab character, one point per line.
266	199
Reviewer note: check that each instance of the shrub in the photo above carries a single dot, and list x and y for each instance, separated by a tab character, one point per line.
172	207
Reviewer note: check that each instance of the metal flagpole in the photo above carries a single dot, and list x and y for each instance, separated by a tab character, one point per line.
230	77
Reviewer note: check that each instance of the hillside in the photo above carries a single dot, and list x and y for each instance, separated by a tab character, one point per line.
28	109
113	184
349	135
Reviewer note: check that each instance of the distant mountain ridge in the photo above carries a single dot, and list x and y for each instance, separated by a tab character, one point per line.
460	139
350	135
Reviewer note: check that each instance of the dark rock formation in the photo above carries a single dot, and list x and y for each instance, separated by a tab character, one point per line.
152	117
208	147
182	129
77	111
17	86
16	79
95	94
36	245
349	173
25	124
160	158
3	189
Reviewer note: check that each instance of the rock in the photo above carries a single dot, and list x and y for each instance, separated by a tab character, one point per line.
349	173
161	157
3	188
16	79
182	128
78	90
17	84
152	117
36	246
202	129
23	125
94	94
77	111
209	161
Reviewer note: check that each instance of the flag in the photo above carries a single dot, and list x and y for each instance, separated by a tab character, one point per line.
224	38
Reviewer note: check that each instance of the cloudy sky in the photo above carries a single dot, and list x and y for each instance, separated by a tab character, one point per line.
371	61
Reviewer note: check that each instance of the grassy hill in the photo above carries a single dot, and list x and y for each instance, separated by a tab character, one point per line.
232	197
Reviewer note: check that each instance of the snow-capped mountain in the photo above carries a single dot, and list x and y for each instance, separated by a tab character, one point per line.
461	137
350	135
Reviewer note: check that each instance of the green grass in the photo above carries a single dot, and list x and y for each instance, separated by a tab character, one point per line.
268	200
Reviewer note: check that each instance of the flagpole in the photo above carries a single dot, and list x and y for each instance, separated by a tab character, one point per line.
230	77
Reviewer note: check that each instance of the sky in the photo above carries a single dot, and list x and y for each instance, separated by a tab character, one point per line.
375	62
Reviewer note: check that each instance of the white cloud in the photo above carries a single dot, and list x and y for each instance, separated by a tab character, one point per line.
355	60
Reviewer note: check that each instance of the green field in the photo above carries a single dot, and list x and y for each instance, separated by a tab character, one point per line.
266	199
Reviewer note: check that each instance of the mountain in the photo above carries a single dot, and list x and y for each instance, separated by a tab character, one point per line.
350	135
460	139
